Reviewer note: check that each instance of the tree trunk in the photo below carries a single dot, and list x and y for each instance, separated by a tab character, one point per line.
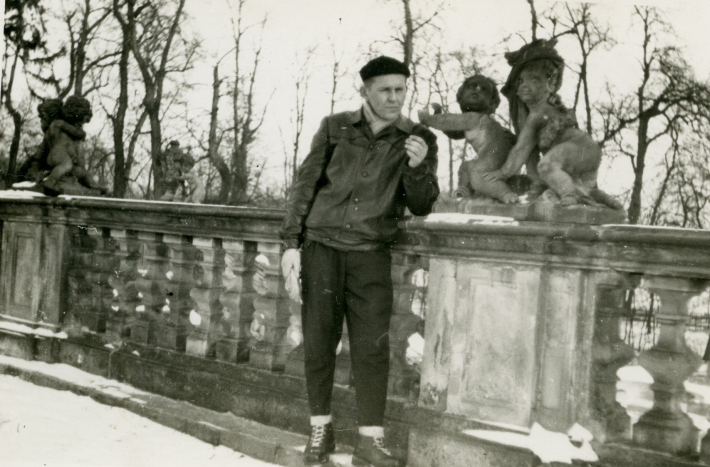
642	148
409	33
121	171
219	164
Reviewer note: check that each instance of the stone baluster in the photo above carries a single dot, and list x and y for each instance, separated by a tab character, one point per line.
407	269
104	263
609	353
294	338
82	314
666	427
152	267
237	300
206	294
271	310
125	294
179	308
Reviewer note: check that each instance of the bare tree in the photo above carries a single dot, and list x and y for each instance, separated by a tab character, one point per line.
298	115
158	30
590	35
337	74
245	118
668	94
25	48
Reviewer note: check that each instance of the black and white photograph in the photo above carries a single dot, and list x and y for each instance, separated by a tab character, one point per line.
373	233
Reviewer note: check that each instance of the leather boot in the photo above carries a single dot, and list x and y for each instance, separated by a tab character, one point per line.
321	443
371	451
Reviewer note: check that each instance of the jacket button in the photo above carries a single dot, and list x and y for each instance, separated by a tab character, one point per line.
356	200
364	173
347	226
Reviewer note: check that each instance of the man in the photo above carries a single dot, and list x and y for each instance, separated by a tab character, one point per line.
363	169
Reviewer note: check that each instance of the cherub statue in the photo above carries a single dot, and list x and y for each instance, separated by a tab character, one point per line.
63	138
35	168
176	165
196	187
570	157
478	99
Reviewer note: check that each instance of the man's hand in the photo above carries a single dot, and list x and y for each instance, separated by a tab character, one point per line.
416	149
291	269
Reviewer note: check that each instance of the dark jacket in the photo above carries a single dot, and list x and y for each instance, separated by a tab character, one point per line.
352	187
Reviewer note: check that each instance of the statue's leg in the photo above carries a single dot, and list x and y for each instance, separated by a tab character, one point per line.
497	189
464	188
62	166
569	160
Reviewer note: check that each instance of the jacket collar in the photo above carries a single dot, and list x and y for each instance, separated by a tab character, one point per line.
402	123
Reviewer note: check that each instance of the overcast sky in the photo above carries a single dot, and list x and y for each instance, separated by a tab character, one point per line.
295	25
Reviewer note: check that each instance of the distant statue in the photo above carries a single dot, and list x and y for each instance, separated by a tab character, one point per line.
176	166
478	99
36	168
62	143
570	157
196	189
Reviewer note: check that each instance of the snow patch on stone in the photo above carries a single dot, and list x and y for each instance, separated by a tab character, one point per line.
24	329
20	194
549	446
74	375
458	218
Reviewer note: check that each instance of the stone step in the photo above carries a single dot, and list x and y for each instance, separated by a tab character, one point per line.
246	436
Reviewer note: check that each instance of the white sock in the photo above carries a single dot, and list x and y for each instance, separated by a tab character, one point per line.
321	420
372	431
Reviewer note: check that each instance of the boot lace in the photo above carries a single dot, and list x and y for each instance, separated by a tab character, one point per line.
317	435
380	445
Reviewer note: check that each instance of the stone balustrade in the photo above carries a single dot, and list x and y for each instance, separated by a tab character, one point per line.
521	321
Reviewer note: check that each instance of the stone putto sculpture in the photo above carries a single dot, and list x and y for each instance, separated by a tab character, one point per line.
570	157
478	99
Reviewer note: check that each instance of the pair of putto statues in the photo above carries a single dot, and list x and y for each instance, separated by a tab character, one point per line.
562	161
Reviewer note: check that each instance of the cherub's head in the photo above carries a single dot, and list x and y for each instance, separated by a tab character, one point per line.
49	110
478	93
539	80
77	110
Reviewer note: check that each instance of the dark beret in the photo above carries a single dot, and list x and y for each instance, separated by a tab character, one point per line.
383	66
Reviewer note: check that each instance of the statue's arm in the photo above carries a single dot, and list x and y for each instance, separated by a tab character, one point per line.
451	122
71	130
527	140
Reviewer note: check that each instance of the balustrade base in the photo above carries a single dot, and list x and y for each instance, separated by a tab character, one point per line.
267	356
141	332
197	346
93	321
674	434
232	350
295	365
429	448
171	337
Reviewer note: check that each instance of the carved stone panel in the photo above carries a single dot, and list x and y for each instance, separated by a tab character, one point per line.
493	352
32	272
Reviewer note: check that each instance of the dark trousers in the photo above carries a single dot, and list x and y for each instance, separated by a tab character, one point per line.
356	285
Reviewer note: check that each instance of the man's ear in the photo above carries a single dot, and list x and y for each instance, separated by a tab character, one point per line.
363	92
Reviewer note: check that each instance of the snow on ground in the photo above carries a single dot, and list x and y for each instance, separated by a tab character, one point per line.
41	426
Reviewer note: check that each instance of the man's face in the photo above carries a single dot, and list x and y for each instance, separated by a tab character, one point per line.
385	94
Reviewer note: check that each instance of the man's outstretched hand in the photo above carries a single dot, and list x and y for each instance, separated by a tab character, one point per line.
291	269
